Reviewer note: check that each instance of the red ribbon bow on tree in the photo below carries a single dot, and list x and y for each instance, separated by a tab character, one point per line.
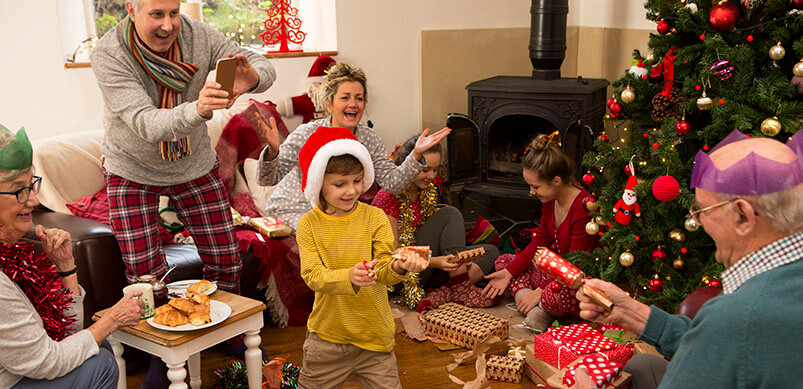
667	68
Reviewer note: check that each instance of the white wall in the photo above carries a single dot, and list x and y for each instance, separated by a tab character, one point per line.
381	36
628	14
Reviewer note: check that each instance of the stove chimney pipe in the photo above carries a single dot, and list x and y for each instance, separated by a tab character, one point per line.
548	37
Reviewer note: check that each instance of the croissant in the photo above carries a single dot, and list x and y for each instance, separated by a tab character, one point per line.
183	305
163	308
198	298
200	286
199	319
200	308
170	317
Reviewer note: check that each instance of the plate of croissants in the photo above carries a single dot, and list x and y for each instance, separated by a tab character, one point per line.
192	312
195	286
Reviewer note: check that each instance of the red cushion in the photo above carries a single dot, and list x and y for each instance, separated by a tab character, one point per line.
693	302
95	207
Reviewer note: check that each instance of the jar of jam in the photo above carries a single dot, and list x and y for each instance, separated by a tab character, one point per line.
159	288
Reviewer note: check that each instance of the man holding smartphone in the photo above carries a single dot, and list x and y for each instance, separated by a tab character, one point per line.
152	69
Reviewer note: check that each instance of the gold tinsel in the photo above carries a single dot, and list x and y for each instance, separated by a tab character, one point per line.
412	292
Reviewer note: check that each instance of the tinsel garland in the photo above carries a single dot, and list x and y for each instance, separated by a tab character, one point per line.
235	376
37	278
412	292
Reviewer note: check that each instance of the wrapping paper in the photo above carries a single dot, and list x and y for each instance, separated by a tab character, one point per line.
517	352
537	370
270	227
602	371
503	368
592	343
463	326
553	264
468	256
561	354
571	332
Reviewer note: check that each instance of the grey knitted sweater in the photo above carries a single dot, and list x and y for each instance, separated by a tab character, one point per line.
135	125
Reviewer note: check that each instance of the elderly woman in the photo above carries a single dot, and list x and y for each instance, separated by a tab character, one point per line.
345	94
41	303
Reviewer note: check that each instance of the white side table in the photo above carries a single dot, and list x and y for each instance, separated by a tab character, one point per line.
176	348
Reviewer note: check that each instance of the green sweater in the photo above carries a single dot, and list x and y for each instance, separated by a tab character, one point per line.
746	339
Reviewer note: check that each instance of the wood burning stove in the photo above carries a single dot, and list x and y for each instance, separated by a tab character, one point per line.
506	112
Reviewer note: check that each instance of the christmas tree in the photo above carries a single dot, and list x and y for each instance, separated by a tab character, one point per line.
714	66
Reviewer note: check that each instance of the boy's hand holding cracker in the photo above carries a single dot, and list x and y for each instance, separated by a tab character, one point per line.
362	274
413	259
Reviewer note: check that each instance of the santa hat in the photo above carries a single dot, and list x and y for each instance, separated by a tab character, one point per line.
325	143
631	183
318	70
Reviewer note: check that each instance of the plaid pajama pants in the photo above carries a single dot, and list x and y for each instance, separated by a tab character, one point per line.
561	303
203	208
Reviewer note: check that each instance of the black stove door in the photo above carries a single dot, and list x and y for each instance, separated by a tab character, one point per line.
463	149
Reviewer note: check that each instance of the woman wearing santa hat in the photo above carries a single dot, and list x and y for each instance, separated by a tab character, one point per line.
345	96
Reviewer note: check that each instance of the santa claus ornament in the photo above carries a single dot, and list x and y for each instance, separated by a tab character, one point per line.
627	206
310	104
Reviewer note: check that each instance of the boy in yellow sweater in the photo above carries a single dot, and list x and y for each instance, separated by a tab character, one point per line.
345	248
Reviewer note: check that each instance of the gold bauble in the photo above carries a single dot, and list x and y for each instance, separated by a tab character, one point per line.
592	228
771	126
677	235
798	69
592	206
691	224
777	52
650	58
628	95
704	102
599	220
626	259
678	264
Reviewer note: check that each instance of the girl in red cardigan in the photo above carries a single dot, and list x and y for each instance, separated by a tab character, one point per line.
550	174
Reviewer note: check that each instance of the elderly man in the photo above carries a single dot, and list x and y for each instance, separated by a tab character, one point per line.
152	69
749	199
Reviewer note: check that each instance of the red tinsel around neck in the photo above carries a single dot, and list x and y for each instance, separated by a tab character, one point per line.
36	276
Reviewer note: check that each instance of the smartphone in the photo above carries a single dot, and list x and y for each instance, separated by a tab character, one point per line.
224	74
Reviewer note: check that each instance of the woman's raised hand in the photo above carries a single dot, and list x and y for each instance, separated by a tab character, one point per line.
426	142
271	133
498	283
57	245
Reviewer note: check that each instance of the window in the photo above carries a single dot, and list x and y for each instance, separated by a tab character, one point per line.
241	20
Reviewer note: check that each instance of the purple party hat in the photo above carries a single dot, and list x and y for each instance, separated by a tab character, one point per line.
754	175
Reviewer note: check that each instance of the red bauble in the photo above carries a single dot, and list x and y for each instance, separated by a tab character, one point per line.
683	127
714	283
588	179
616	108
796	4
663	27
665	188
724	15
658	255
656	285
611	101
590	203
554	287
604	138
627	170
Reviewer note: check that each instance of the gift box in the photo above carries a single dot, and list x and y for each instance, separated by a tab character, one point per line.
517	352
571	332
552	351
537	370
601	370
504	368
270	227
561	354
641	347
463	326
594	342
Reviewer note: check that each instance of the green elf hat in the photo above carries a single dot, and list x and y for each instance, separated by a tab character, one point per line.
18	154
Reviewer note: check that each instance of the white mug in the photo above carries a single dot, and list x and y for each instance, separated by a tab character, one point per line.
147	297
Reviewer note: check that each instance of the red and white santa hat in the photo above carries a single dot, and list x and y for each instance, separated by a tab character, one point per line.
318	70
631	183
325	143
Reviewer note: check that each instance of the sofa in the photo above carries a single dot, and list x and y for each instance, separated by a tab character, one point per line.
70	165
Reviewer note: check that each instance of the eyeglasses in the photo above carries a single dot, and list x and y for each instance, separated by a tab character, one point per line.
695	210
23	194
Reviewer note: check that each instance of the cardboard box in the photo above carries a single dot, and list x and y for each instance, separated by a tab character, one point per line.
542	373
463	326
503	368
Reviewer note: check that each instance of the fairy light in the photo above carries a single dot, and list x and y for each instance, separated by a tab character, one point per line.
242	25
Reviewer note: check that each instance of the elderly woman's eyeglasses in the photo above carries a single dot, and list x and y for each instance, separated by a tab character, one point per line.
23	194
695	210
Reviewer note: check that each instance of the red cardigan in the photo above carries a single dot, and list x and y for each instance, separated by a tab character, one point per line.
569	236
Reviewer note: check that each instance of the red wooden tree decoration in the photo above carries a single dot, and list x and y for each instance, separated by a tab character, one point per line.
282	26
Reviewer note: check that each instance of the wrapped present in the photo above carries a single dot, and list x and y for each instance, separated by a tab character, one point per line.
640	347
270	227
570	332
467	256
238	219
594	342
463	326
517	352
537	370
552	351
601	370
622	337
604	327
503	368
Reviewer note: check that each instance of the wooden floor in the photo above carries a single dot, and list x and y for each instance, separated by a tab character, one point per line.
421	365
